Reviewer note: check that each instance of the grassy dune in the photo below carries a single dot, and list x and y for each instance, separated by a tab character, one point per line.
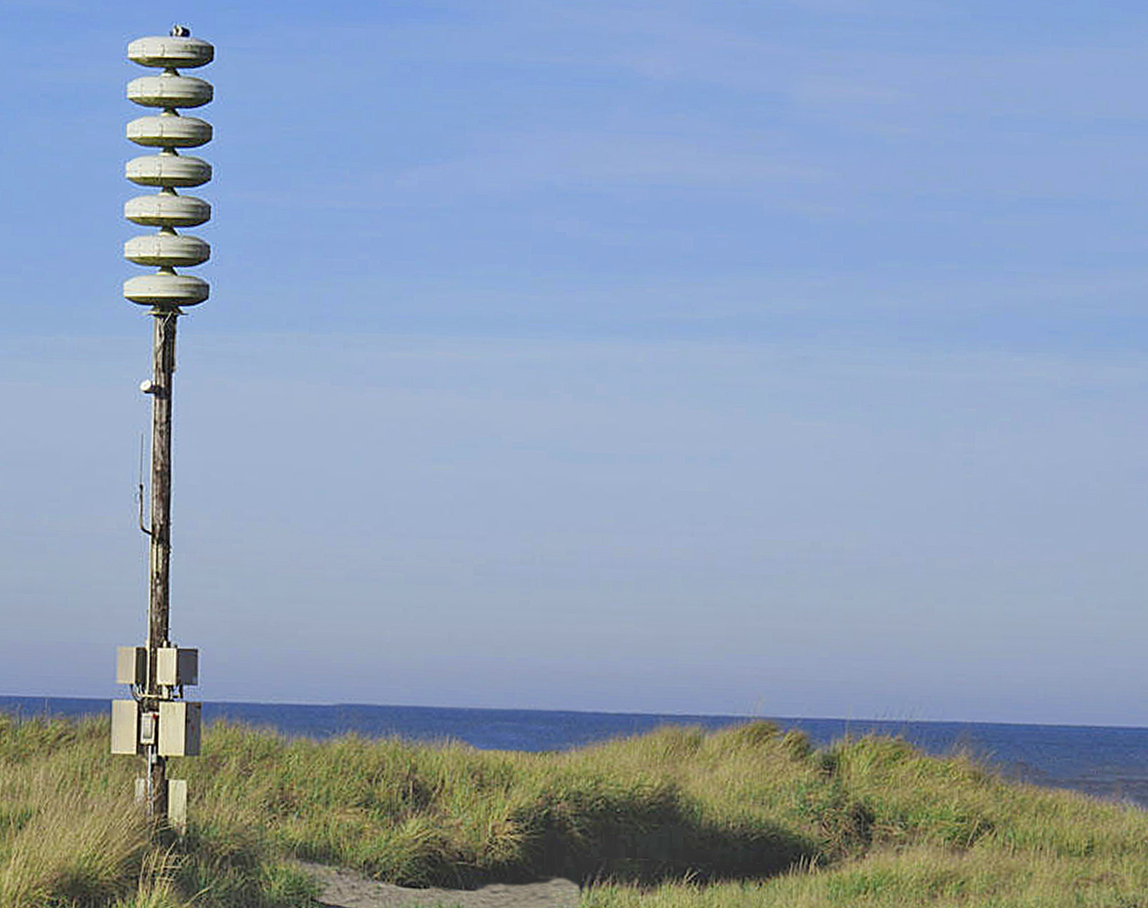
675	818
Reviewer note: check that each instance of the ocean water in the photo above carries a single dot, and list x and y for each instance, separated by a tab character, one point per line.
1103	761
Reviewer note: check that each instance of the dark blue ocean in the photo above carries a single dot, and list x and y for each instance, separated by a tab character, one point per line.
1103	761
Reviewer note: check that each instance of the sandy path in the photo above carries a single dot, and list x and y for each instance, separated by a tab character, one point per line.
347	889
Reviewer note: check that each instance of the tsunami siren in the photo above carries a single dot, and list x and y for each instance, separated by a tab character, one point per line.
168	170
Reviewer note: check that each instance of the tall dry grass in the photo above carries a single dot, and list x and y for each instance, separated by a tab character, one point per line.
673	819
899	828
68	828
71	834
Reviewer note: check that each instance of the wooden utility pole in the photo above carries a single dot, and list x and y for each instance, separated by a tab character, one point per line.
159	559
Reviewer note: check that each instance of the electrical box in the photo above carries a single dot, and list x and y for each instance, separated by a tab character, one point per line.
177	804
125	727
176	667
148	727
131	665
179	728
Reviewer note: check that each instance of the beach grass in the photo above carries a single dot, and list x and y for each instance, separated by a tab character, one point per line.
676	818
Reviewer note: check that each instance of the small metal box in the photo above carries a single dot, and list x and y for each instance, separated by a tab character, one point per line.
177	804
179	728
148	722
125	727
131	665
176	667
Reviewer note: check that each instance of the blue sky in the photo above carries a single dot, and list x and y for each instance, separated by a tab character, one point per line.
778	359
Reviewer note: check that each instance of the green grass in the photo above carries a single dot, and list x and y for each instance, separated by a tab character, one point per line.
675	818
71	835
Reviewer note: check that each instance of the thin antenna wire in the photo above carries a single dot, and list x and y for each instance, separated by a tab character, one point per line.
140	487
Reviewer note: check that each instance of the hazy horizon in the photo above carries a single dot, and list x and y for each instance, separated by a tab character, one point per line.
863	721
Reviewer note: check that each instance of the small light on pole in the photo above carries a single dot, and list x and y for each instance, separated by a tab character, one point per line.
157	722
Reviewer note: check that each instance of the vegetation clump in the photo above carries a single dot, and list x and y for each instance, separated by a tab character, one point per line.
676	818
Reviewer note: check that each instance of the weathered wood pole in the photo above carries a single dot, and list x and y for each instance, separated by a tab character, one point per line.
159	559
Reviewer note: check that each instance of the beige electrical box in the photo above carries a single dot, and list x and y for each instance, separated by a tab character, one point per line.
179	728
131	665
177	804
149	725
175	666
125	727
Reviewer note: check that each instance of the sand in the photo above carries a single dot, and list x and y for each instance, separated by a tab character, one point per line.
347	889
